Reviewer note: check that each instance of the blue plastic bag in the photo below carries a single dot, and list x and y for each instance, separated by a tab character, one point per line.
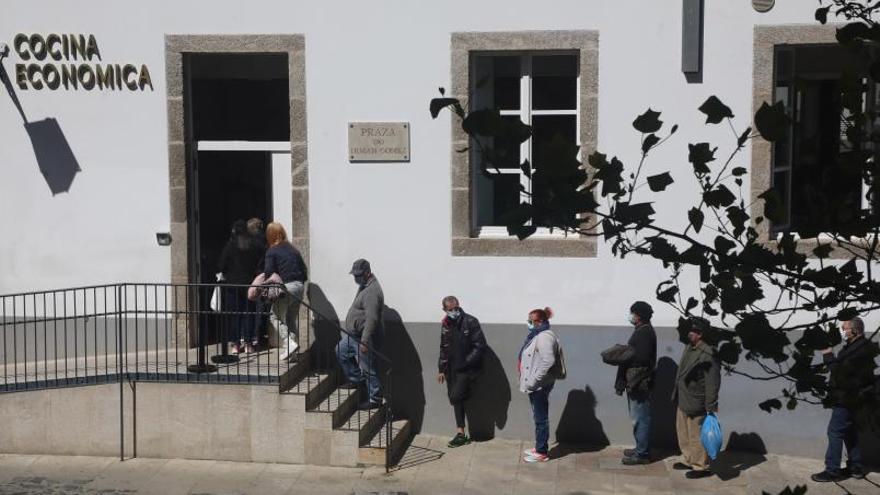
711	436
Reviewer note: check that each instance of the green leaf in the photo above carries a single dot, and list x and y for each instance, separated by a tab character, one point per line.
847	314
438	104
699	155
738	219
648	122
659	182
715	110
649	142
791	404
772	121
744	137
773	209
696	217
691	303
770	404
718	197
823	250
667	295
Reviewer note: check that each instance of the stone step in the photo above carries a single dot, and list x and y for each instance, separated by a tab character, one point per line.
334	410
374	451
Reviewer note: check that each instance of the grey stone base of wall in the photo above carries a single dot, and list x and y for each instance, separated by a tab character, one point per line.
584	408
250	423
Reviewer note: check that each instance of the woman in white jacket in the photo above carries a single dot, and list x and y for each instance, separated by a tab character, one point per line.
536	359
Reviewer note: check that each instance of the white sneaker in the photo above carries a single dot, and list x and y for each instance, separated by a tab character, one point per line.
291	350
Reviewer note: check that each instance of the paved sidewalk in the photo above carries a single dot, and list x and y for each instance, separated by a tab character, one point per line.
428	467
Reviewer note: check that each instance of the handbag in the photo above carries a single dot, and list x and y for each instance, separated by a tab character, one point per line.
216	298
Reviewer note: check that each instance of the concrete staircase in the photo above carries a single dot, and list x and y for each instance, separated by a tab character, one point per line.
335	431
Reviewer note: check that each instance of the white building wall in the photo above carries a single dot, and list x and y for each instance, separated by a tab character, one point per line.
369	61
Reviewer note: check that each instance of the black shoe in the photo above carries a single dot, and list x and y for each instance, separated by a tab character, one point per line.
635	461
856	473
680	466
826	476
629	452
459	440
695	475
367	405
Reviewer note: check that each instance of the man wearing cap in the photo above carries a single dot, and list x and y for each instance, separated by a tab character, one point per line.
365	331
636	377
696	388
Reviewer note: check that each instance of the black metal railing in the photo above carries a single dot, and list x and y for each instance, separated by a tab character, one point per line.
186	333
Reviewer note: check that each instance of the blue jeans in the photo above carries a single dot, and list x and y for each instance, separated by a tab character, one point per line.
540	400
640	414
842	430
359	366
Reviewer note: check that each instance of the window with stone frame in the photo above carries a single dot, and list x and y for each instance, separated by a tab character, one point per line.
541	89
809	168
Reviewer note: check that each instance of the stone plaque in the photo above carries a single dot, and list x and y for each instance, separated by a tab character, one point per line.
378	141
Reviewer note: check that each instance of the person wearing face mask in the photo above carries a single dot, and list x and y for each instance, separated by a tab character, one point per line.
365	333
696	389
537	360
462	346
636	377
851	379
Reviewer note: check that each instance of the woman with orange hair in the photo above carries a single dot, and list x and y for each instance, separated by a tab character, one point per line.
537	360
286	261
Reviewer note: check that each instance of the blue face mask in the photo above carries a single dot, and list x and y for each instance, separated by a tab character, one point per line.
531	326
631	318
454	314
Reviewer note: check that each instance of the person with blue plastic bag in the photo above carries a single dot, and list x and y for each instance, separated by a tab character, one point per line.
696	390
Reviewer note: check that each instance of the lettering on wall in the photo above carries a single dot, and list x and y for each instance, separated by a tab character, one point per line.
378	142
72	62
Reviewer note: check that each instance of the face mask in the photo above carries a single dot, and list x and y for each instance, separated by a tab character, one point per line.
453	314
531	326
360	280
631	318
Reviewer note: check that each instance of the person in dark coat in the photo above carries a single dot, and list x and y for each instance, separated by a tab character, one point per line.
239	264
636	377
696	388
257	231
462	345
851	380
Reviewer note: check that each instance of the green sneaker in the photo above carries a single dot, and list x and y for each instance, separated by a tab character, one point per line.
459	440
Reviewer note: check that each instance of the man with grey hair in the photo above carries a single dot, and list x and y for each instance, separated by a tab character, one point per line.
462	345
851	377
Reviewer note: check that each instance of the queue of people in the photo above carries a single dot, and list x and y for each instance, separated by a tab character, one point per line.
275	263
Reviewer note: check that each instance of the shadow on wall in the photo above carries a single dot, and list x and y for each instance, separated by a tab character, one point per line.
407	385
490	399
579	429
326	328
743	451
54	156
663	407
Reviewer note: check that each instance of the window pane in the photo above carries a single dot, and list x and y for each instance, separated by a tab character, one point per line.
554	82
505	83
506	193
553	135
780	184
505	153
553	145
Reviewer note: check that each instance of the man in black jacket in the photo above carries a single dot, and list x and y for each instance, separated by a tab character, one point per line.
851	379
636	376
462	345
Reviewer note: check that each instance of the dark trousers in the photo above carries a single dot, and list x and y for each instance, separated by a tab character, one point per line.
458	387
239	321
640	414
842	431
540	400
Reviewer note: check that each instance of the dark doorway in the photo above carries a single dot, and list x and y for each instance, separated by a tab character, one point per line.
233	185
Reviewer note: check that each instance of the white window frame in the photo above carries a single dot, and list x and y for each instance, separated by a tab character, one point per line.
525	113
